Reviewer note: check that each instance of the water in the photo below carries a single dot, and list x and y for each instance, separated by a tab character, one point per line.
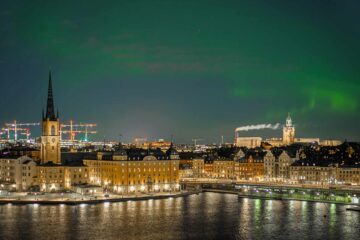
203	216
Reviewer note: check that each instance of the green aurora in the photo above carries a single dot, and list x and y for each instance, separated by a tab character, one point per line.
188	68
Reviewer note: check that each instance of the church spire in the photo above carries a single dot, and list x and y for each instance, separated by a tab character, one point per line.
288	121
50	111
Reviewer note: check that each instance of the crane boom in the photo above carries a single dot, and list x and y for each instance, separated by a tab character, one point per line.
75	128
15	126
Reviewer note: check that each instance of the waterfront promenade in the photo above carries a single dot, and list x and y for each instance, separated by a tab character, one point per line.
75	198
260	190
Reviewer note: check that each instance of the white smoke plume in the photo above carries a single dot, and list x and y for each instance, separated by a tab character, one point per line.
258	127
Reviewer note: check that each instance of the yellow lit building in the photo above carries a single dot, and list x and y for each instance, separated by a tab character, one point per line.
50	177
163	145
136	170
310	173
288	132
348	175
198	167
186	165
50	137
51	174
251	166
17	173
223	168
76	175
208	166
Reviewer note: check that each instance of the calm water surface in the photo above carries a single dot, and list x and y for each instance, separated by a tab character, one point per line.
203	216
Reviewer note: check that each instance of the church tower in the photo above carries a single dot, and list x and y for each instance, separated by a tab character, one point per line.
50	137
288	131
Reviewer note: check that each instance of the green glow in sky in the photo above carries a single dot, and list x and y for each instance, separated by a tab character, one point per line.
189	68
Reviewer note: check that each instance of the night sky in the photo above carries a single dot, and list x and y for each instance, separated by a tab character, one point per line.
187	68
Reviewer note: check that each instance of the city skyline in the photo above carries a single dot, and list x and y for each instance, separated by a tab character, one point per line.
227	67
180	119
48	112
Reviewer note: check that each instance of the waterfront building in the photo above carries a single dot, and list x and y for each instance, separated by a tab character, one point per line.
271	166
50	177
75	174
135	170
53	177
285	160
185	172
251	166
186	164
198	167
313	171
348	175
223	168
327	164
208	166
305	173
17	173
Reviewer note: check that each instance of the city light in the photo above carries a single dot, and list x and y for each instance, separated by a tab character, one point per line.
180	120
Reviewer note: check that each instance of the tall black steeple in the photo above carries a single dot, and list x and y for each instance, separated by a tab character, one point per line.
50	110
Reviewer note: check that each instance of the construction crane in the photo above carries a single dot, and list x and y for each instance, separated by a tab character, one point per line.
15	126
26	133
74	129
16	130
73	133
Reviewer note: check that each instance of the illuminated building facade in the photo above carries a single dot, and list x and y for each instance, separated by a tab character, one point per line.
198	167
271	166
50	177
161	143
251	166
17	173
249	142
313	174
348	175
208	166
277	164
50	137
223	168
76	175
136	170
186	164
288	131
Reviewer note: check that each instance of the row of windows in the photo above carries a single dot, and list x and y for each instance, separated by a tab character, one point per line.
89	163
160	181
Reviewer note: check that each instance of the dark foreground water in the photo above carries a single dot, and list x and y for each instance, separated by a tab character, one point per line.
203	216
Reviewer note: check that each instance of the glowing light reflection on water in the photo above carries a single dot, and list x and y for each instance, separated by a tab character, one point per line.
203	216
